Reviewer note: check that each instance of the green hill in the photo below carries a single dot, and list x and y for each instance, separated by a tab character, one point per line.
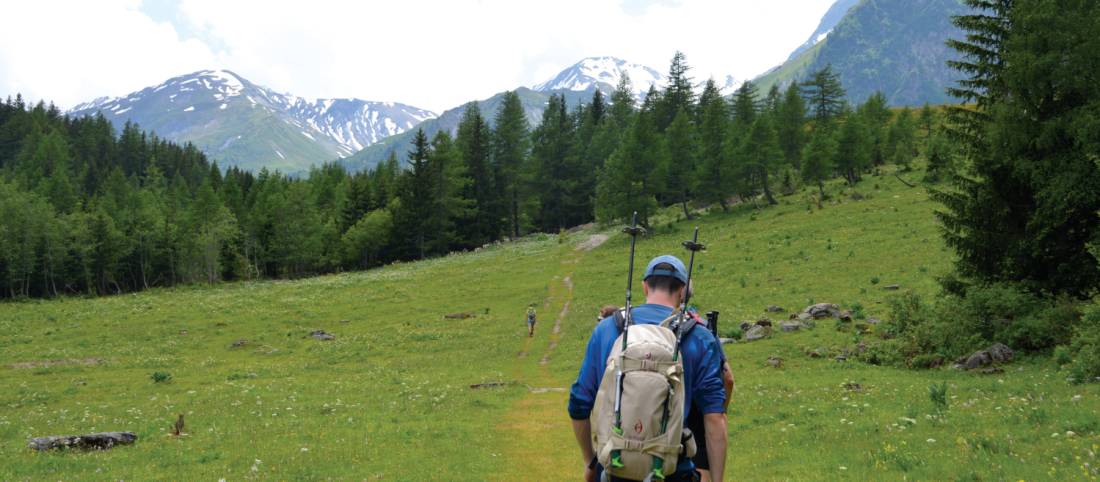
391	399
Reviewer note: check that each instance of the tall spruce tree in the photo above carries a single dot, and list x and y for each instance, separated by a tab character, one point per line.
791	125
413	234
714	174
511	146
1026	210
682	145
473	143
761	155
853	148
817	159
679	93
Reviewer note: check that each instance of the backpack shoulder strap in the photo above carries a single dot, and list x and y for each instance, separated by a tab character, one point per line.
620	319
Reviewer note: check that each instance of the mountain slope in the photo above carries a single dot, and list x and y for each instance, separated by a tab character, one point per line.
894	46
239	123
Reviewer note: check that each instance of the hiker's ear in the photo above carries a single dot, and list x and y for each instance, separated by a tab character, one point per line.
645	289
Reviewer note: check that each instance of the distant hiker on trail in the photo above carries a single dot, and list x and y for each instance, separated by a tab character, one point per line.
531	320
619	399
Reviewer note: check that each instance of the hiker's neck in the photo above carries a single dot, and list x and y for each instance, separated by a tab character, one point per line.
663	298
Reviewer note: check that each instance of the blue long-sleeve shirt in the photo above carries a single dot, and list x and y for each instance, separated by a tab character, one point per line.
702	367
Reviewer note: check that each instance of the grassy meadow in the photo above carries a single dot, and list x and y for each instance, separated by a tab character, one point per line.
391	399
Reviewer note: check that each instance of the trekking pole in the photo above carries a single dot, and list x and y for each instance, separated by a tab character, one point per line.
633	230
694	246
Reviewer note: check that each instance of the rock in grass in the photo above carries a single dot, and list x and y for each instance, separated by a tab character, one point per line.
774	309
775	362
322	335
239	343
757	332
822	310
891	287
94	441
790	326
996	353
458	316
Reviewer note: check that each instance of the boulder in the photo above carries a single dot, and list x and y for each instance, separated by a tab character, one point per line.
844	315
764	322
774	309
891	287
94	441
757	332
745	325
727	341
822	310
790	326
775	362
322	335
996	353
802	317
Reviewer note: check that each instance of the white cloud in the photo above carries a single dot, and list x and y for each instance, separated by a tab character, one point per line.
432	54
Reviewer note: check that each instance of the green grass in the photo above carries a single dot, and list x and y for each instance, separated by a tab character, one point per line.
390	397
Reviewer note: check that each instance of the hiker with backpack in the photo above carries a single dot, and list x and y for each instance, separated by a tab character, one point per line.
531	320
643	369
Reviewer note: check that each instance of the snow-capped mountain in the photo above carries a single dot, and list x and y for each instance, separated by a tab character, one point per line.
240	123
603	73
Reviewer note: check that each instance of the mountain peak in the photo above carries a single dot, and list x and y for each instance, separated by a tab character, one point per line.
244	124
603	73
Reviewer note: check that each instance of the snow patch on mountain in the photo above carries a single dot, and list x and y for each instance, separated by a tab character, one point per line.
603	73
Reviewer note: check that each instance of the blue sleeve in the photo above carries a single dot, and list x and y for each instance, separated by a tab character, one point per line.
582	396
709	394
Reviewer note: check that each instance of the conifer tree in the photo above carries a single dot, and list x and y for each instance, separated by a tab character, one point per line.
511	146
714	174
853	148
413	234
817	159
761	155
825	95
679	93
876	117
1026	210
791	125
473	143
679	165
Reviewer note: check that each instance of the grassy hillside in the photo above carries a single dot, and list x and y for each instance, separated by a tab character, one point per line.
390	398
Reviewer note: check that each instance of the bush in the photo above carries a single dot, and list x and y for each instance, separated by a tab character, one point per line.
1062	355
732	332
161	377
957	325
1086	349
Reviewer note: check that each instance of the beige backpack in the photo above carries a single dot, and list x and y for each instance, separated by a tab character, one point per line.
644	379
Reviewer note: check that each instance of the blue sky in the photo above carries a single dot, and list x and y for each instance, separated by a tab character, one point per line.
432	54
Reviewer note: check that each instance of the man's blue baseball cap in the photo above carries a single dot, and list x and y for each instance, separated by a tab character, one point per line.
678	270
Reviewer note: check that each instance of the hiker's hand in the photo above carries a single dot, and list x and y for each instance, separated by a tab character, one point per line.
589	474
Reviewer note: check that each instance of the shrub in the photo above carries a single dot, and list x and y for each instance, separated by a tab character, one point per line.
938	395
161	377
1062	355
1086	349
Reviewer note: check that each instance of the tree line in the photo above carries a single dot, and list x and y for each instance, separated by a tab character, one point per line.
86	209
